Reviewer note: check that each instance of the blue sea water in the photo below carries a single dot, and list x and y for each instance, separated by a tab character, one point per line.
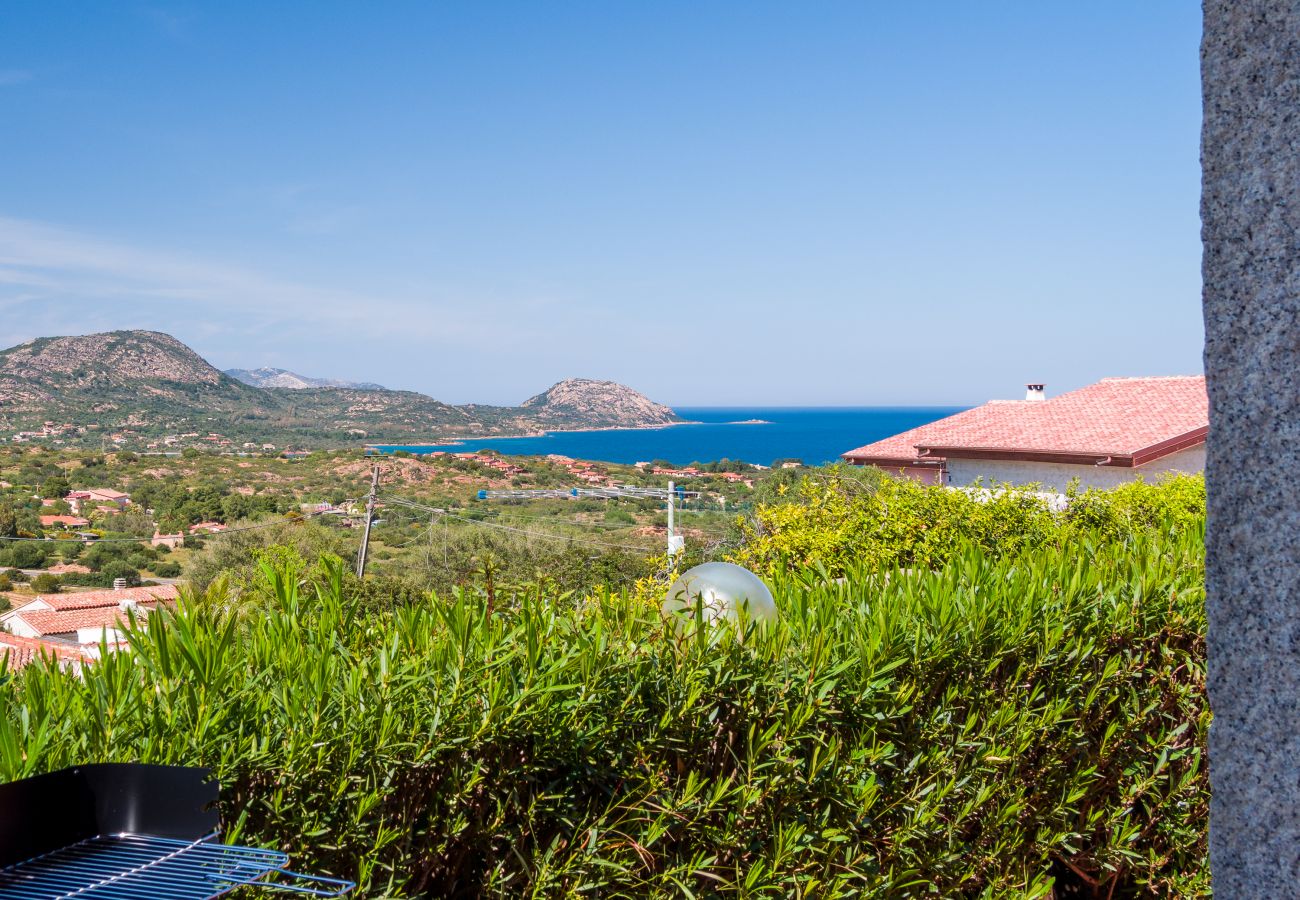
811	434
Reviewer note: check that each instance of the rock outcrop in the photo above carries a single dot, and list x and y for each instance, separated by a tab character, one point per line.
599	404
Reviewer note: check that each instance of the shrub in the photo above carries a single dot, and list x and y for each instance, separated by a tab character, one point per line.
23	555
166	569
1006	725
841	519
618	515
45	583
115	569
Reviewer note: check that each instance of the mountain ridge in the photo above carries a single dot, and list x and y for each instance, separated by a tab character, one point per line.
269	377
149	389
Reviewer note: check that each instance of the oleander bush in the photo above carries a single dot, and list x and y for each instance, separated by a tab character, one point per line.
1015	724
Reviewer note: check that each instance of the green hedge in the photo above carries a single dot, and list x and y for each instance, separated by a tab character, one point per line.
843	517
995	728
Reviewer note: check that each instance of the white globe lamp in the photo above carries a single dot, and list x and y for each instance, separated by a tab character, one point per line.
722	590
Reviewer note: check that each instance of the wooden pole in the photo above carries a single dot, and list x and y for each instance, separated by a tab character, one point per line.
370	517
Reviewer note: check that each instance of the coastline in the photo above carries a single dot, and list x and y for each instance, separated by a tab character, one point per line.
535	434
813	435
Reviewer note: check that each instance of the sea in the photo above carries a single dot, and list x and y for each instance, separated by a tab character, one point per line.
760	435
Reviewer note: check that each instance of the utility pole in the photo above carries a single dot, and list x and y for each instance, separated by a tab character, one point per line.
675	544
370	517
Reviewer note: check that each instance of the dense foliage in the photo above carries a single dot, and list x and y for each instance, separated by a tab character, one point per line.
1005	724
840	518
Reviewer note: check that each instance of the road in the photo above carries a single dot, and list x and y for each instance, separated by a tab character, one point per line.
34	572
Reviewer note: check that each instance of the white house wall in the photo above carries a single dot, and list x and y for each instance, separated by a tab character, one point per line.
1057	476
17	626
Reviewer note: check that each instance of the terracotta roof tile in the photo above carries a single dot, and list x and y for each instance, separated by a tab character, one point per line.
1116	417
22	651
63	621
73	521
88	599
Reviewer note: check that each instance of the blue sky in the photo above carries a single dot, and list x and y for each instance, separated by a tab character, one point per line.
718	203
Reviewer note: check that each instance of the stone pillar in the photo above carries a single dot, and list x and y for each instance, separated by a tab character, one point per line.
1250	214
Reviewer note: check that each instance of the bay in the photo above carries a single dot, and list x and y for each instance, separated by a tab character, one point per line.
811	434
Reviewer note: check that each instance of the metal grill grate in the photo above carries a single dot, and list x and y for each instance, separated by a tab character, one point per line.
135	867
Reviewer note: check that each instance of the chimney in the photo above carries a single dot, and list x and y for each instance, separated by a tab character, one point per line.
119	584
1036	392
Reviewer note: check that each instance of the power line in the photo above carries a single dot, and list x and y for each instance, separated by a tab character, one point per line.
548	536
236	530
409	504
558	521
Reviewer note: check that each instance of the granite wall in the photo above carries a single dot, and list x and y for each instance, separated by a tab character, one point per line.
1250	210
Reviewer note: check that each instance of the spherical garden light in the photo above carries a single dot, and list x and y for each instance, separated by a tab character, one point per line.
722	590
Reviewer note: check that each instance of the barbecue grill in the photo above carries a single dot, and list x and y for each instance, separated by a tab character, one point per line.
126	831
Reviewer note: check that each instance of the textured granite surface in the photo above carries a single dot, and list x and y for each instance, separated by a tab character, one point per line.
1250	211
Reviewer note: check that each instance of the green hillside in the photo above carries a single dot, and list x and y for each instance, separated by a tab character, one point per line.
136	388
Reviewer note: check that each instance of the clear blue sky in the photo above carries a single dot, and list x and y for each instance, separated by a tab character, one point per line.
718	203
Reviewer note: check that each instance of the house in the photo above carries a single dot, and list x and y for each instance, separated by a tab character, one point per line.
20	652
1102	435
64	522
87	617
96	497
207	528
170	541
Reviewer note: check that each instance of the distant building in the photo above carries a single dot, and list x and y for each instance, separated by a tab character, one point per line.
64	522
170	541
19	652
98	497
87	617
1103	435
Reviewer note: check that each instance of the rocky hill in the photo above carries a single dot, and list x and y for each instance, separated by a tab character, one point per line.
267	377
136	388
598	404
101	374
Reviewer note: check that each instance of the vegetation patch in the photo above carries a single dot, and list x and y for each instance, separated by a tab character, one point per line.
992	724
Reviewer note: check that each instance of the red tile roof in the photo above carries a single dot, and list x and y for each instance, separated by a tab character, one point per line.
90	599
63	621
1131	421
23	651
73	521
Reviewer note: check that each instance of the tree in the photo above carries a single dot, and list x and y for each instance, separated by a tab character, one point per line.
135	521
103	553
54	487
23	555
119	568
8	521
